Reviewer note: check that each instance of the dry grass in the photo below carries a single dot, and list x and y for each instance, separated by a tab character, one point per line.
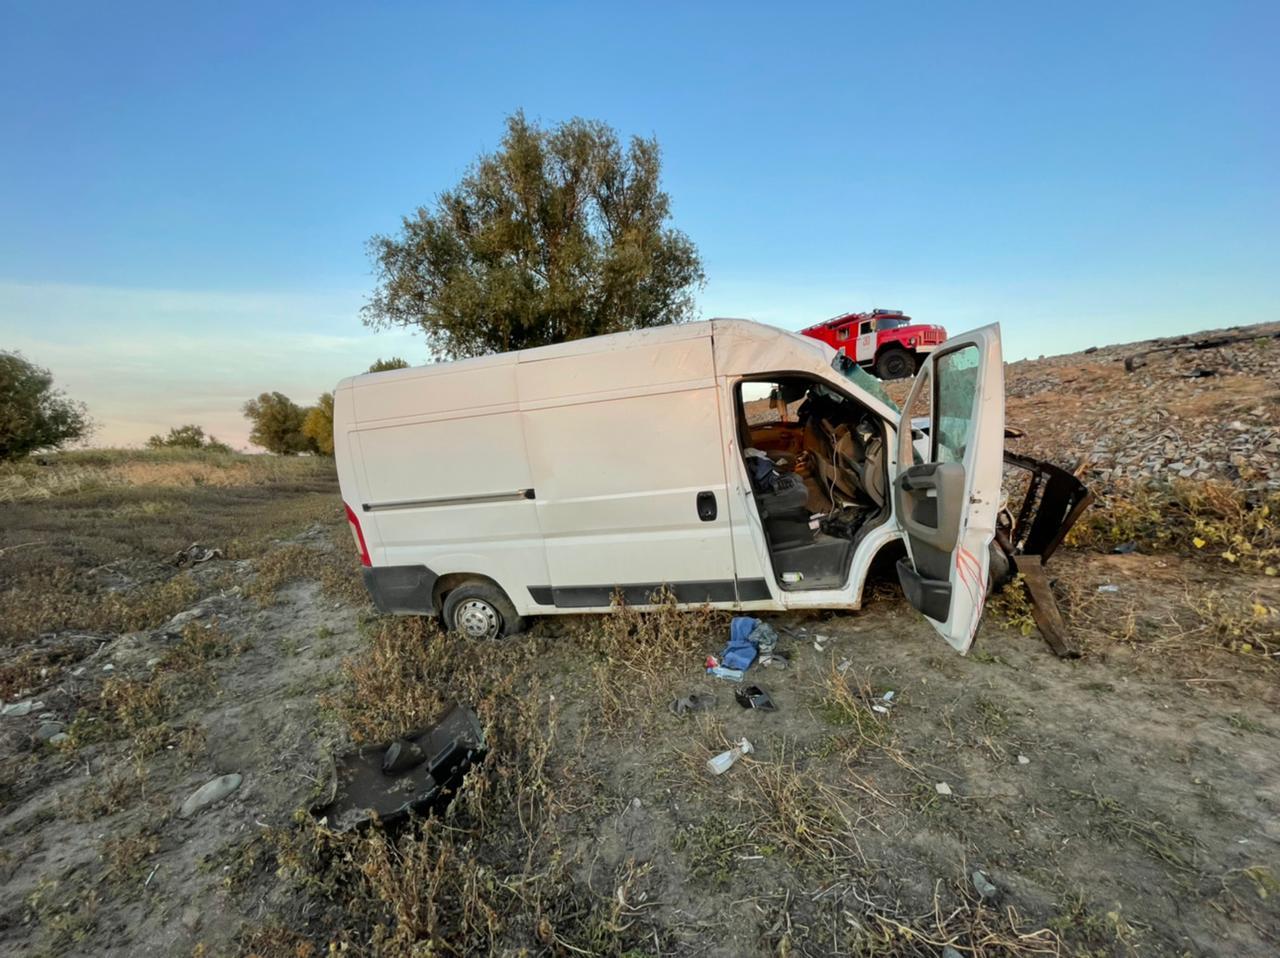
1210	518
69	473
640	657
140	708
87	542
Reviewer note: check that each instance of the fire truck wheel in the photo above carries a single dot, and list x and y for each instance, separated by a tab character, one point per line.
895	364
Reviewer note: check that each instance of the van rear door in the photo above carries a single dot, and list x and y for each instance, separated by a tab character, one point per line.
947	490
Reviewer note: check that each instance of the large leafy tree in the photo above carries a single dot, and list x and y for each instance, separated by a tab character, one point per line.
277	424
34	415
559	234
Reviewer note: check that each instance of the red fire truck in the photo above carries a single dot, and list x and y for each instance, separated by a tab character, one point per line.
883	341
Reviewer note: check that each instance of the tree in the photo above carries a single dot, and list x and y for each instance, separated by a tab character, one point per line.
34	415
187	437
318	425
382	365
277	424
559	234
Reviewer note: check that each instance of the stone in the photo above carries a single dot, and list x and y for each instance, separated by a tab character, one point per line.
48	730
982	885
59	739
210	793
18	709
182	619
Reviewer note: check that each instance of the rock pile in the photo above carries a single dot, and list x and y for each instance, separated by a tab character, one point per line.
1185	414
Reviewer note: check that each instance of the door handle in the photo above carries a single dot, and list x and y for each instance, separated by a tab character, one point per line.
706	506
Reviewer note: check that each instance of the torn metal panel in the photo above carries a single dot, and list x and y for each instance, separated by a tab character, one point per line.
418	772
1053	502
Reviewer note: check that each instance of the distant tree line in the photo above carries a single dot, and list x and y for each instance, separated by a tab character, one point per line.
187	437
281	426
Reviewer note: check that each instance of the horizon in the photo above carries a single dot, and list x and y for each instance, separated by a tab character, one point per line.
188	193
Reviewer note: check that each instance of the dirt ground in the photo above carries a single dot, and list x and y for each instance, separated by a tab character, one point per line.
1121	804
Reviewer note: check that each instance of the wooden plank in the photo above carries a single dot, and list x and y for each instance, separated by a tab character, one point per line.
1044	607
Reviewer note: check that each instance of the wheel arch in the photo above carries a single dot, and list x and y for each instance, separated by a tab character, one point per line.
447	583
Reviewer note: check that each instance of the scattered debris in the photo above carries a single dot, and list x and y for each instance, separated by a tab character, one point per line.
820	642
982	885
754	697
1023	760
844	666
195	554
774	660
415	773
719	764
1108	588
693	702
949	952
209	794
1124	548
942	788
742	650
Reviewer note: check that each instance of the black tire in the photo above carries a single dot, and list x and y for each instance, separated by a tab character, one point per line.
480	611
895	364
1000	569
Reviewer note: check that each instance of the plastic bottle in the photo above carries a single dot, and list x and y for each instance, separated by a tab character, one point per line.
721	763
720	672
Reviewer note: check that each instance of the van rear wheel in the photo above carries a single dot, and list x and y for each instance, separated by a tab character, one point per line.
480	611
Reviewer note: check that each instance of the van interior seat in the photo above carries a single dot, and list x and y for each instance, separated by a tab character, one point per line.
814	506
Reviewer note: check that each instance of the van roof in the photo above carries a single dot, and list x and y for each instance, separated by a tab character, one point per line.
743	330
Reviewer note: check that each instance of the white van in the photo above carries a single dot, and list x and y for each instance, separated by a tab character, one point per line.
734	464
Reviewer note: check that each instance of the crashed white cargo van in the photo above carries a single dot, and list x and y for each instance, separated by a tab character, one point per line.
731	463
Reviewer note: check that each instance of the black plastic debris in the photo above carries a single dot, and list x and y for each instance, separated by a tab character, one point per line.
754	697
418	772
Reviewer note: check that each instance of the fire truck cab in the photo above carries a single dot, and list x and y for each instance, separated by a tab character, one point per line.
884	341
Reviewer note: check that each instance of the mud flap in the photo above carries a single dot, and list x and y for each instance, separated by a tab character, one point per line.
418	772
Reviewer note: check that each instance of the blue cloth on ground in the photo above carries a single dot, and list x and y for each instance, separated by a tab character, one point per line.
741	651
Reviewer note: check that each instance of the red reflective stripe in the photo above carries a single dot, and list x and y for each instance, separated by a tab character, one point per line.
355	524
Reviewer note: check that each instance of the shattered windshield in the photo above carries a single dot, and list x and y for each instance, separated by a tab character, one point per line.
851	371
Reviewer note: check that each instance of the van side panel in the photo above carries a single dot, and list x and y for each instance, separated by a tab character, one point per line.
447	484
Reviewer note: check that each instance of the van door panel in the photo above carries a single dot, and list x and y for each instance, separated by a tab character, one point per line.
618	485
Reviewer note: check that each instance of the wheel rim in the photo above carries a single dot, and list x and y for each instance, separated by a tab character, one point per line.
897	367
477	619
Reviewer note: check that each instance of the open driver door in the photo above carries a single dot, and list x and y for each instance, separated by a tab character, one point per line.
948	485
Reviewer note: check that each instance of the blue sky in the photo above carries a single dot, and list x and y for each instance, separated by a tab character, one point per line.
186	190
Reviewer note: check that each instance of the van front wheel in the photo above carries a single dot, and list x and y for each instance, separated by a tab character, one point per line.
480	611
